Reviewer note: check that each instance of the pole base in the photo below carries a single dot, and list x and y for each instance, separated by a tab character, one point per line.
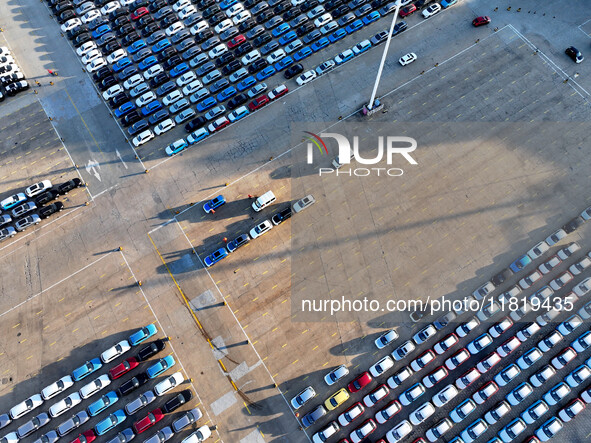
377	107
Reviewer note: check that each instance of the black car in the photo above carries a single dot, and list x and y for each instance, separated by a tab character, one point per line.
292	13
258	65
260	7
167	53
107	82
205	68
212	10
102	73
159	79
501	276
250	3
247	24
168	20
233	66
127	72
190	53
46	211
262	39
131	385
66	187
356	3
106	39
192	19
46	197
224	59
239	241
145	21
216	18
264	16
282	7
420	3
62	6
120	21
150	29
346	19
130	118
331	4
130	38
306	6
124	30
312	37
138	127
112	47
305	28
202	4
171	62
118	100
195	124
156	5
158	116
574	54
151	350
244	48
77	31
293	70
102	20
399	27
14	88
270	47
185	44
238	100
200	37
118	13
65	16
340	11
573	225
82	38
141	54
181	35
156	37
177	401
281	216
139	4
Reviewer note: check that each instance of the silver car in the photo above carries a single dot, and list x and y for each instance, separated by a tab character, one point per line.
4	219
24	223
23	209
302	204
187	419
143	400
72	423
5	420
123	437
161	436
32	425
50	437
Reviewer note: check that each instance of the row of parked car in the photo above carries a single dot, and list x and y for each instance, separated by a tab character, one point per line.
109	399
461	356
12	80
28	208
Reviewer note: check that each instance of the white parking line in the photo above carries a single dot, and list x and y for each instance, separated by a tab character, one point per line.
583	24
170	343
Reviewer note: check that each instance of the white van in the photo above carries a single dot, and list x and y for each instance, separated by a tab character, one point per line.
337	163
263	201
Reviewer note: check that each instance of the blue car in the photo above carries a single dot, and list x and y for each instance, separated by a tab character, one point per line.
147	62
337	35
151	107
13	200
142	335
214	204
265	73
136	46
520	263
448	3
125	61
160	366
115	419
306	51
238	114
355	26
86	369
102	403
319	44
125	108
248	82
283	63
281	29
225	4
218	255
230	91
371	17
289	37
197	136
101	30
179	70
209	102
161	45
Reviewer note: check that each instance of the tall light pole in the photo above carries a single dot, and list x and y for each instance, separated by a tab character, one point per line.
369	106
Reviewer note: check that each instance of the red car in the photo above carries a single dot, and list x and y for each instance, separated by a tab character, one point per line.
148	421
405	12
123	368
139	13
258	102
279	91
220	123
236	41
360	382
85	437
481	21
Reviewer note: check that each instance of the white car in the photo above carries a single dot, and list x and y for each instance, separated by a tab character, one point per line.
542	376
363	431
580	266
164	126
424	334
260	229
153	71
519	393
351	414
483	290
557	393
399	431
275	56
94	386
403	350
467	379
547	317
561	280
465	328
217	51
303	397
529	280
323	20
462	410
445	344
186	420
550	341
457	359
488	362
411	394
444	396
475	430
512	430
85	48
112	91
555	237
547	266
57	387
565	357
26	406
437	431
65	404
386	338
583	287
335	375
251	57
435	377
578	376
569	250
488	310
431	10
506	375
133	81
397	379
174	28
499	328
388	412
187	11
407	59
422	360
223	25
527	332
508	346
169	383
306	77
192	87
110	7
479	343
241	17
186	78
571	410
199	27
498	412
535	412
324	434
381	366
569	325
486	392
549	429
38	188
538	250
115	351
375	396
143	137
117	55
142	401
96	64
71	24
90	16
144	99
422	413
180	4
